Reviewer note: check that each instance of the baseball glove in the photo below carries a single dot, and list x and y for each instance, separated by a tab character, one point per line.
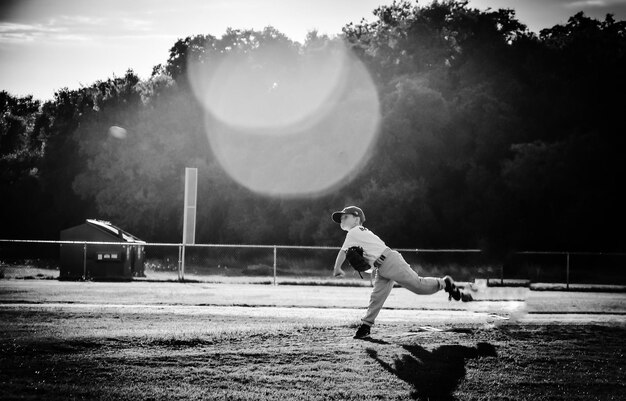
355	257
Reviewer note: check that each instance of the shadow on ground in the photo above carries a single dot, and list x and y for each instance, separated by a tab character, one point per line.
435	374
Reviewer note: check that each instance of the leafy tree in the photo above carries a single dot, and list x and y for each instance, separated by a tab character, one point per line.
19	151
17	118
491	137
61	162
136	179
562	192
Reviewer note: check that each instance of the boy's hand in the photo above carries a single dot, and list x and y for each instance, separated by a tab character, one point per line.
338	272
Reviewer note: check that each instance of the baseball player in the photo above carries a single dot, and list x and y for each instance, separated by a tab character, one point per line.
388	265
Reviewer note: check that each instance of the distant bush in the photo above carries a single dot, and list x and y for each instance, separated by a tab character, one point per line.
158	265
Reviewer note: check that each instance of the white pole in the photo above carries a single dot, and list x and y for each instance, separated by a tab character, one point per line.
189	213
274	264
568	270
180	263
85	261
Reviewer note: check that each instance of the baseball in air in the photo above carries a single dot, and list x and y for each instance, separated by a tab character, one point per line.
117	132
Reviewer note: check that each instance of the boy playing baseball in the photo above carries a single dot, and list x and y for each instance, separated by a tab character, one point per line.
389	266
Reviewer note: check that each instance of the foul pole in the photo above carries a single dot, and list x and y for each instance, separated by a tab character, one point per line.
189	215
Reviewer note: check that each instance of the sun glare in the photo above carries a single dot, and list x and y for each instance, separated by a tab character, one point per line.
290	127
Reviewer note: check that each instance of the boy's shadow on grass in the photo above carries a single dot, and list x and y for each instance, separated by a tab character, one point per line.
435	374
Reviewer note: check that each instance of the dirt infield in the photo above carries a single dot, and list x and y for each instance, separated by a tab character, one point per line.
519	304
195	341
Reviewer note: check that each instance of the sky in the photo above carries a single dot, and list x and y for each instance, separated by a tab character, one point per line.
46	45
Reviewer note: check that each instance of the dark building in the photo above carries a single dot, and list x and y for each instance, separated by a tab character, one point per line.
101	261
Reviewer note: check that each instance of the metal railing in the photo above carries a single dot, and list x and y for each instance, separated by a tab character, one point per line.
289	261
289	254
606	266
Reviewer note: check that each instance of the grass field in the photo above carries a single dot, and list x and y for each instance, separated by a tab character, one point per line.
129	341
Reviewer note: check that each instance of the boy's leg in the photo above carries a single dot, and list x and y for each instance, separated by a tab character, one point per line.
380	292
397	269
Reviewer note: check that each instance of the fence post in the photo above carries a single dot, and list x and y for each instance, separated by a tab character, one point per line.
85	261
567	285
181	257
274	264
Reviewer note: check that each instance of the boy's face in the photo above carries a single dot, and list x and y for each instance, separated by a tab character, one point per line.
349	221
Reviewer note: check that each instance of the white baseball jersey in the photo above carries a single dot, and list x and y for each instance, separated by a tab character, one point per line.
372	246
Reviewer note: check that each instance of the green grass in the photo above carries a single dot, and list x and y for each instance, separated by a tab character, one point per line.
27	272
128	355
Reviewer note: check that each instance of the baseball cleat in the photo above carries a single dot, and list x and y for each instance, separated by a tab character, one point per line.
451	289
466	297
363	331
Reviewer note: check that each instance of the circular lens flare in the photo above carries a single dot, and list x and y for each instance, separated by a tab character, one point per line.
297	127
269	89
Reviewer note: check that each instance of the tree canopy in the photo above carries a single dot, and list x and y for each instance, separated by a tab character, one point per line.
491	137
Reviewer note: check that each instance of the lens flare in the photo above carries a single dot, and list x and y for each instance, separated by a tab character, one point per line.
290	126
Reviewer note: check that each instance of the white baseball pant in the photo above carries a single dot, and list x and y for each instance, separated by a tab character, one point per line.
395	269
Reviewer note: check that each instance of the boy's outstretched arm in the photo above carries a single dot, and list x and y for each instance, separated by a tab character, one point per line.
341	257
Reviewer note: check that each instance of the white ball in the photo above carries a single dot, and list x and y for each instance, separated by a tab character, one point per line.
117	132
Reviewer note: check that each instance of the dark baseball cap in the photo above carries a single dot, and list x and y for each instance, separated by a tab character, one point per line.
353	210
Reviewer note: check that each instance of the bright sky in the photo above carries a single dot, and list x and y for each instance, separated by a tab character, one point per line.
46	45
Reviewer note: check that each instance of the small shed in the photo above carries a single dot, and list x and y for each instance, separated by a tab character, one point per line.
101	261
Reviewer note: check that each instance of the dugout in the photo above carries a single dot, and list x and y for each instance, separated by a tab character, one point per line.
101	261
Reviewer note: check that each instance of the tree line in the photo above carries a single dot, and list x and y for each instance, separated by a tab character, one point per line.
491	137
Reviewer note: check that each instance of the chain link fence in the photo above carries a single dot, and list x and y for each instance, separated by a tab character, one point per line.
262	264
567	267
275	264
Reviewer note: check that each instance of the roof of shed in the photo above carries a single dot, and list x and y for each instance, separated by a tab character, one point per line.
107	226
